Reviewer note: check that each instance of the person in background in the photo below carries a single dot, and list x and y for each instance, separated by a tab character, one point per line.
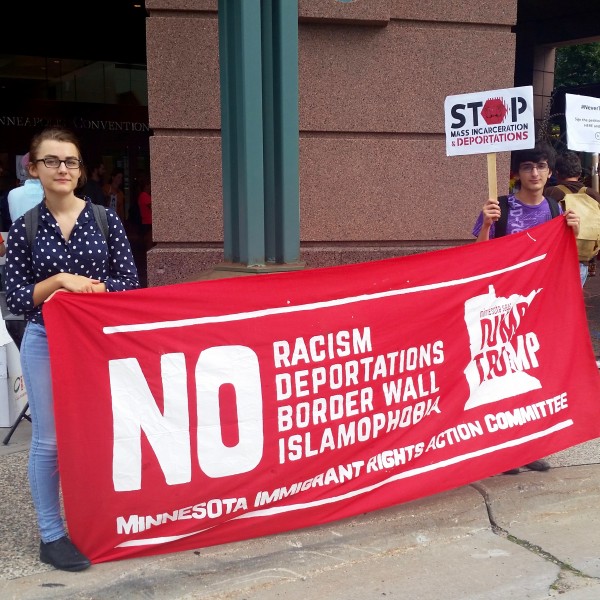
568	174
134	219
113	190
26	196
6	180
93	187
527	207
58	261
145	205
7	183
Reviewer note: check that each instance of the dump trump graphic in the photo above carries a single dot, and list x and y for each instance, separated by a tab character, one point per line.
228	409
500	359
492	121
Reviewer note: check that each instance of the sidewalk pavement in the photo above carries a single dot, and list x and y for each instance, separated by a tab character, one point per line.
530	536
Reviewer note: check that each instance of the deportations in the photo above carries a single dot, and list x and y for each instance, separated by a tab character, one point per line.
355	372
495	138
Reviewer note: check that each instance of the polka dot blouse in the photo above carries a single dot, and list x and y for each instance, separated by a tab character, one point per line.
86	253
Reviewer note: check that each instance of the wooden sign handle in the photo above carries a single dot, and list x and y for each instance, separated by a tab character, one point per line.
492	179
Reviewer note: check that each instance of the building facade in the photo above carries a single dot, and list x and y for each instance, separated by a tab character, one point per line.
374	178
375	181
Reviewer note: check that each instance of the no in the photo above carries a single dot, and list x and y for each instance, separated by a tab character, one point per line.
135	410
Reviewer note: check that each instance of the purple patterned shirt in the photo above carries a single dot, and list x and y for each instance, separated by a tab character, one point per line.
520	216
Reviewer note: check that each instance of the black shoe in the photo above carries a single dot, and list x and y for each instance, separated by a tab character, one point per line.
62	554
512	472
538	465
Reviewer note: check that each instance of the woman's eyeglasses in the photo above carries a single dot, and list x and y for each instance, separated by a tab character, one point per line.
53	162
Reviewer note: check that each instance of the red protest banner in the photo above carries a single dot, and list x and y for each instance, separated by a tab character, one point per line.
210	412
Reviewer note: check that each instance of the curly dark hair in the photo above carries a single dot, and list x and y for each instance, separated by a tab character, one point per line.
568	164
541	151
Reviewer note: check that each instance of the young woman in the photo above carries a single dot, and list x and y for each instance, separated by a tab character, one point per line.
58	260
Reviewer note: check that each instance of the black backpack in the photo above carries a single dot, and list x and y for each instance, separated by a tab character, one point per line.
500	226
33	214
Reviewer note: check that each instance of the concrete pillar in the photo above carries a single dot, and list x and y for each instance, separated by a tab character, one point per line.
258	55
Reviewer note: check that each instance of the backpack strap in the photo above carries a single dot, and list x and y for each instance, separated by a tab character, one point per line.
31	223
500	224
32	217
566	190
101	218
554	209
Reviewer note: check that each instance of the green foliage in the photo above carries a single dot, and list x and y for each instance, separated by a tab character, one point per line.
577	65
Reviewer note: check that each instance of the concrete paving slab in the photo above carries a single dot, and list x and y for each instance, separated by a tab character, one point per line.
557	511
444	546
269	560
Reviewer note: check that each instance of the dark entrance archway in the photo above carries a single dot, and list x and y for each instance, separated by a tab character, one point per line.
551	23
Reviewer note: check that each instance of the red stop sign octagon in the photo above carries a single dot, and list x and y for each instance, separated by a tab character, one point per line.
494	110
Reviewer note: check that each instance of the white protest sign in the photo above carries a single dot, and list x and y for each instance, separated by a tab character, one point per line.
492	121
582	114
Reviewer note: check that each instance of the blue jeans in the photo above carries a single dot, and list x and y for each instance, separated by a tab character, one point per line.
43	457
583	272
